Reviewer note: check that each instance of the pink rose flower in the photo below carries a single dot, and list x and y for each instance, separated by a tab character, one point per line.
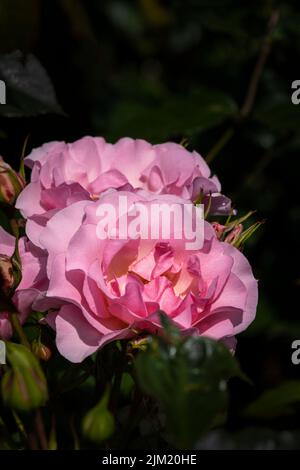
34	280
109	289
65	173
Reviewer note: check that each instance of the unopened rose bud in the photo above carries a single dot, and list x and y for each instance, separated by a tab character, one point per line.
40	350
6	275
98	424
219	229
11	183
234	234
23	385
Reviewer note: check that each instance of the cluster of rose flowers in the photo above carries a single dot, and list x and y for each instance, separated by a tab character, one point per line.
93	291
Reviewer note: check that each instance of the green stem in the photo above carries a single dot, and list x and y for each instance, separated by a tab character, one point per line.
225	138
15	231
118	379
251	92
74	433
116	390
19	424
52	444
40	430
22	168
135	415
17	327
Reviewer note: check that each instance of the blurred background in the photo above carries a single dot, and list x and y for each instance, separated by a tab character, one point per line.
215	75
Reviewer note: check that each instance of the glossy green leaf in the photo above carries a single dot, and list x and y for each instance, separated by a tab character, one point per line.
202	109
279	401
29	89
188	377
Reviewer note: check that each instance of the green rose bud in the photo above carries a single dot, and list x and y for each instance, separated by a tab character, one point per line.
40	350
23	385
98	424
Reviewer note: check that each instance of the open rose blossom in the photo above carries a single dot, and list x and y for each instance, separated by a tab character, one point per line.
105	289
65	173
34	279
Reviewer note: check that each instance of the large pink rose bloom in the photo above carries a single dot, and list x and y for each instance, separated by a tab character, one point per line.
34	280
65	173
108	289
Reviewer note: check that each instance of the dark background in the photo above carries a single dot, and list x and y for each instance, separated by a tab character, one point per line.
211	72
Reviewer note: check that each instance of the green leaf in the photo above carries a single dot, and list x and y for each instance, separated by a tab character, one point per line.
29	89
280	116
201	109
277	402
188	377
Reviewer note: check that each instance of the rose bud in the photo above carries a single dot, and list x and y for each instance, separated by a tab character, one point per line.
23	385
6	275
40	350
11	183
234	234
98	424
219	229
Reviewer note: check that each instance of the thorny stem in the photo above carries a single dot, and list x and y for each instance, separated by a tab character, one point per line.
248	103
226	137
40	430
257	71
